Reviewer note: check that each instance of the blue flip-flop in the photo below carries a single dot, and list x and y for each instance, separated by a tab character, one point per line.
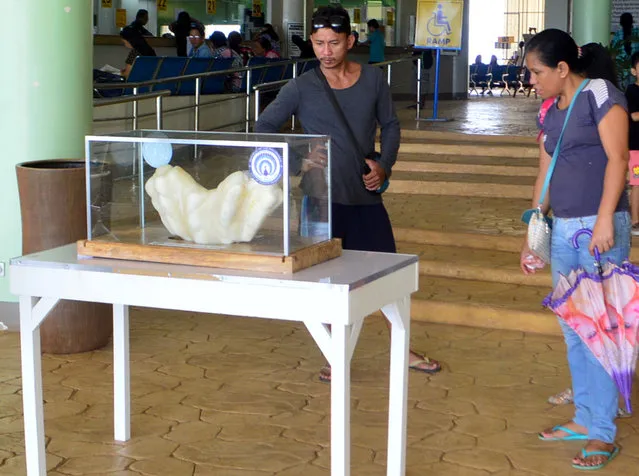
585	454
571	436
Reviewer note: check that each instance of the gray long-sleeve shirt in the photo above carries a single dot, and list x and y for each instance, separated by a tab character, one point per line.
365	104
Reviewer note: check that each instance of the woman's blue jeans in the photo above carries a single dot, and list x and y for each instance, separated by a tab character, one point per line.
595	393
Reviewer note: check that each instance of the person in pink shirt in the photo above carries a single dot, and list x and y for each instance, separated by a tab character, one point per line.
262	47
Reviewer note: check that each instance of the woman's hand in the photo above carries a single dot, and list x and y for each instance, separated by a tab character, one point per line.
603	235
528	262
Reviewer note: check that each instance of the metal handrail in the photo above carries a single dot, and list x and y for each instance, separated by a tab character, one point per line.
157	95
274	85
125	99
187	77
246	94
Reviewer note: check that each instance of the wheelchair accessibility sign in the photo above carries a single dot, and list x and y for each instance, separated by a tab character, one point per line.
439	24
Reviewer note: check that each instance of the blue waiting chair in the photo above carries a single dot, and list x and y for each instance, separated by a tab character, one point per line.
273	73
307	66
511	79
194	66
479	77
256	74
218	84
144	68
171	67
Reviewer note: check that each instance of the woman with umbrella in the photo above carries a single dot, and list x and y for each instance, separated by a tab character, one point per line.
586	131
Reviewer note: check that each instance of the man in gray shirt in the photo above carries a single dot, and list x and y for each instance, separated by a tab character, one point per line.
359	217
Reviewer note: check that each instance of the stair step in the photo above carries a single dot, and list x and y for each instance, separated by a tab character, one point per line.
478	241
473	264
482	304
419	187
463	169
526	182
457	214
431	135
518	162
469	149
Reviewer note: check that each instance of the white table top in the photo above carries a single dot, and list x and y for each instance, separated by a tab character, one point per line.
350	271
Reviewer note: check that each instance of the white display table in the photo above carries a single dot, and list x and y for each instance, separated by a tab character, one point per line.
339	293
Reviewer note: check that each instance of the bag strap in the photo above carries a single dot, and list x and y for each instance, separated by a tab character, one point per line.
338	109
555	156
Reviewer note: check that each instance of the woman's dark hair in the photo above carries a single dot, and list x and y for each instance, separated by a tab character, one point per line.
137	41
265	43
235	40
373	24
553	46
270	31
218	39
626	21
198	27
142	13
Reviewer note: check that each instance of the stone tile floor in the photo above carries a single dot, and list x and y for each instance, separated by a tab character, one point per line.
478	115
214	395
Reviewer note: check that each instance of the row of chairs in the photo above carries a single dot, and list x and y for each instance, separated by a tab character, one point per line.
147	68
510	78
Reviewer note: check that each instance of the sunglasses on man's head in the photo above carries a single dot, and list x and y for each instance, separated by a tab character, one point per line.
338	23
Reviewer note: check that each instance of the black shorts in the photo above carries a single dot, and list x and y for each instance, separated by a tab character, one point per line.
363	227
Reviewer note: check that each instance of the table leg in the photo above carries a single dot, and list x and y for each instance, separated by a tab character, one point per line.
32	389
398	314
340	402
121	373
337	343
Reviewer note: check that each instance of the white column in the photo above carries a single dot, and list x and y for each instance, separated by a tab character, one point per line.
293	14
106	18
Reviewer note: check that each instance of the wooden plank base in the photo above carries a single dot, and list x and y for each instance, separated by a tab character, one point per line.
299	260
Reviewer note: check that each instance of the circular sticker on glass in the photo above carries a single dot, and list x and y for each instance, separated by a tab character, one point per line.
157	154
265	166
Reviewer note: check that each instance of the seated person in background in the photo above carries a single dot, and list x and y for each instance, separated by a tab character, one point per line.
181	28
134	40
271	35
200	49
305	47
235	43
222	50
263	47
141	19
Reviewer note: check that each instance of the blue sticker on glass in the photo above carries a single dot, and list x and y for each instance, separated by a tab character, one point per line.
265	166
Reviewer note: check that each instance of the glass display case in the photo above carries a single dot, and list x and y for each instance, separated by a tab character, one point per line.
234	200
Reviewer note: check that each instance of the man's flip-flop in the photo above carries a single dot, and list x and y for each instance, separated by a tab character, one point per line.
586	454
425	360
325	374
571	436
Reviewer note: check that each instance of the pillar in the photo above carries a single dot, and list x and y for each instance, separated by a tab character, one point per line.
591	21
557	14
292	14
46	101
460	61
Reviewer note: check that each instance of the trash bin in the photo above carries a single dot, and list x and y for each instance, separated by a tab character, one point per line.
53	205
